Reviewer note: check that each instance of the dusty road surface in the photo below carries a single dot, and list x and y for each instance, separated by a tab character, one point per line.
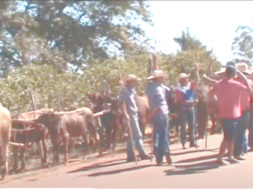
192	168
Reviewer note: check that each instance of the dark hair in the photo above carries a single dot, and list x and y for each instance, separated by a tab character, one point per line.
230	71
230	63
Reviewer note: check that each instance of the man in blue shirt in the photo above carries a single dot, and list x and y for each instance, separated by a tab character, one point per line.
157	95
187	98
128	96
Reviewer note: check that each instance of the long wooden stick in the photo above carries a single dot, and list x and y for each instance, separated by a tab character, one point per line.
126	114
34	104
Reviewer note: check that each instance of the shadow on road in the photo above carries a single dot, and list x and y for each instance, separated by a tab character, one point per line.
198	158
194	151
118	171
100	165
192	168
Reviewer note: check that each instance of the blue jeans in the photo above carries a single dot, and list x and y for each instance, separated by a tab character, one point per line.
240	137
188	117
160	136
137	139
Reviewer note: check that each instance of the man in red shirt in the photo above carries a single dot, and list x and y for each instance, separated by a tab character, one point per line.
227	92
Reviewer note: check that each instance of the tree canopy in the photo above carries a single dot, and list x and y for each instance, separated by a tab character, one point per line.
75	32
242	46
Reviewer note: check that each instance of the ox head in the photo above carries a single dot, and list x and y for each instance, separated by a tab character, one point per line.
51	121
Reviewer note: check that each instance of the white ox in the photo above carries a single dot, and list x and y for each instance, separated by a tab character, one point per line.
5	135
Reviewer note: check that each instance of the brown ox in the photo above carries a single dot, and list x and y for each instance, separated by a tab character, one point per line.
28	132
5	134
112	122
144	112
62	126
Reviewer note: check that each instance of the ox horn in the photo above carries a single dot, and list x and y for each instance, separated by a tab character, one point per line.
19	145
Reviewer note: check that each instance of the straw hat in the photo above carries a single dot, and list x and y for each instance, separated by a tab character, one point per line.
132	77
156	74
243	67
183	76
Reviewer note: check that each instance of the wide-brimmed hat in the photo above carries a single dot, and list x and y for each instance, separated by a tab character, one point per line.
156	74
132	77
243	67
183	76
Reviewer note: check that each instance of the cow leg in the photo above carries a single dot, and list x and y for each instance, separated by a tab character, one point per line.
55	150
65	150
22	156
44	148
15	157
113	135
65	143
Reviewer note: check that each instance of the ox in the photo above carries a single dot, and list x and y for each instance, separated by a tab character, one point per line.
144	112
28	132
5	134
112	122
62	126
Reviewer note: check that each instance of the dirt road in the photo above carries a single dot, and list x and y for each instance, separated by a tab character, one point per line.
192	168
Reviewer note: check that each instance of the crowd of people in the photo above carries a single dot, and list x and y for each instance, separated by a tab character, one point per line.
187	107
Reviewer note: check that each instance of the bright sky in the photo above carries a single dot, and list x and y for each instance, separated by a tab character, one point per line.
212	22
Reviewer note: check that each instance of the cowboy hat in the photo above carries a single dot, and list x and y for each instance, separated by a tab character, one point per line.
183	75
132	77
243	67
156	74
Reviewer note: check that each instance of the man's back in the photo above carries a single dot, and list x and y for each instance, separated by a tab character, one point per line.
228	93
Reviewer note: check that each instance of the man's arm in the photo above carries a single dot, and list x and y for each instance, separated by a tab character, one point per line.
246	81
209	80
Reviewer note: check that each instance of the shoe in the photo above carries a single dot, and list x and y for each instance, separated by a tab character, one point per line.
130	159
232	160
221	162
250	150
183	145
159	163
194	145
148	157
168	159
239	157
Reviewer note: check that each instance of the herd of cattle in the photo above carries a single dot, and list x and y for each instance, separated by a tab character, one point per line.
96	125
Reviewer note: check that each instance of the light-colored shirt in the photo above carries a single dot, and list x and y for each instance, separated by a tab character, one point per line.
157	96
129	97
228	93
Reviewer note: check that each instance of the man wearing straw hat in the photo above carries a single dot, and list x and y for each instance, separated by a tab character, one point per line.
157	95
187	98
128	96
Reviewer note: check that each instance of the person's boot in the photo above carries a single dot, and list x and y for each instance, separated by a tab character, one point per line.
168	159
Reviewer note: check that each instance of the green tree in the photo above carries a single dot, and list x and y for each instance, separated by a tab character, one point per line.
243	44
75	32
192	54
